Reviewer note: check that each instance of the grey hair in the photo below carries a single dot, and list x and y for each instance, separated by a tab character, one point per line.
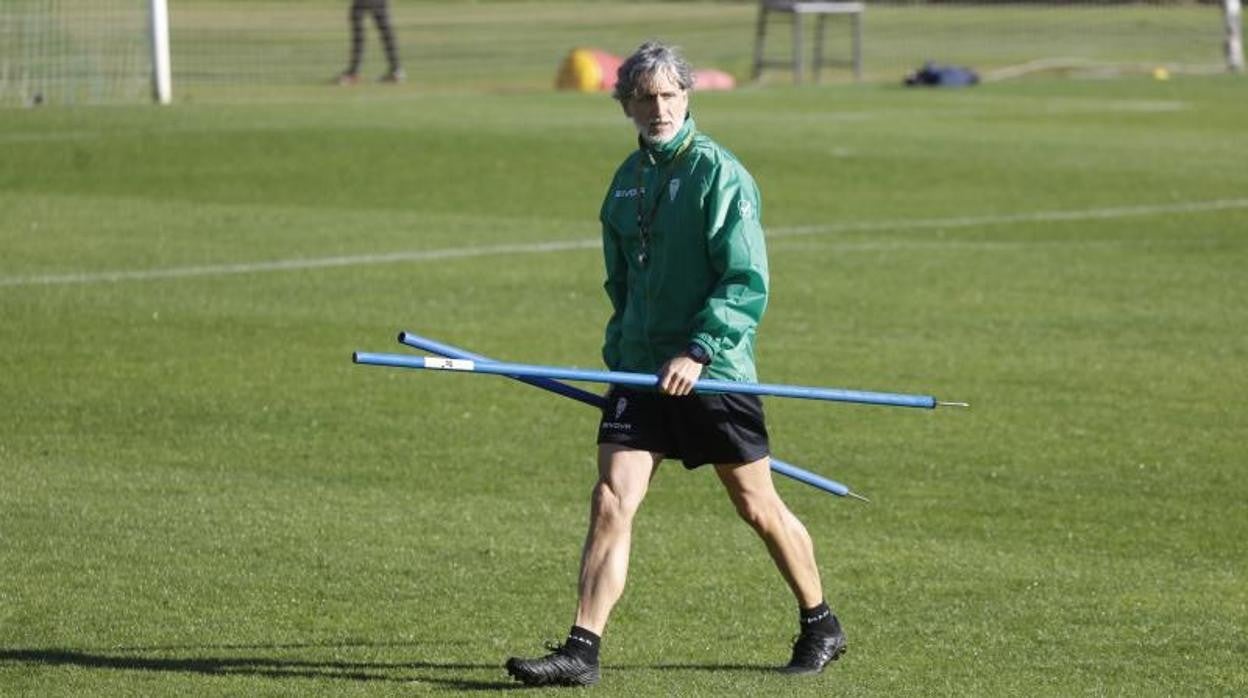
649	59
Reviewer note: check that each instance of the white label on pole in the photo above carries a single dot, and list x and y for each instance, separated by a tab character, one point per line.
451	364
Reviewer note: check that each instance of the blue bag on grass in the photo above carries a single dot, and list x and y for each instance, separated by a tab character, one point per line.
933	75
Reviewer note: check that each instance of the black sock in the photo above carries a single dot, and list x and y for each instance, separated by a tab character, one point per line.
819	620
582	644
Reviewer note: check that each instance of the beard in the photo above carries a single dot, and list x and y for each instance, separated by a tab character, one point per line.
652	138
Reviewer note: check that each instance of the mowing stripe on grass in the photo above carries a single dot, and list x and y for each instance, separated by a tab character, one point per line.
1010	218
590	243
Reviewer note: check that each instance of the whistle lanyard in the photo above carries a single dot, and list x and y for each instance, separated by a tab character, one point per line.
644	220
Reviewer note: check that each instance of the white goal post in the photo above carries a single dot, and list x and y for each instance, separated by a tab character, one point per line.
162	68
1234	35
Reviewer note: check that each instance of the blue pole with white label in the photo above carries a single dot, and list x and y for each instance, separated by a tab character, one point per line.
650	380
595	400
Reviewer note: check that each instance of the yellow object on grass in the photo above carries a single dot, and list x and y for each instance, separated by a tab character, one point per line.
580	71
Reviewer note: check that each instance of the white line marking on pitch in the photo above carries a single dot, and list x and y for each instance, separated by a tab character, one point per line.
297	264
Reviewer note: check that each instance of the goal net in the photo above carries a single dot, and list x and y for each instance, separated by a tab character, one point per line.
74	52
101	51
499	44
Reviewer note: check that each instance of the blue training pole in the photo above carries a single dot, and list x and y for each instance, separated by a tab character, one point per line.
595	400
647	380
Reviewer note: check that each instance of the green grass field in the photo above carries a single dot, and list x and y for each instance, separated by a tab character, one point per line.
201	495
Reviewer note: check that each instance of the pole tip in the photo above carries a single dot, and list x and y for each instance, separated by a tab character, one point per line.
355	357
953	403
857	496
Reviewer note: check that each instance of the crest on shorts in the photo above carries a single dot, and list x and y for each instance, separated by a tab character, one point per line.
620	406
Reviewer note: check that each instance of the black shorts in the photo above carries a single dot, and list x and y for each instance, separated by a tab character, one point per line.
699	428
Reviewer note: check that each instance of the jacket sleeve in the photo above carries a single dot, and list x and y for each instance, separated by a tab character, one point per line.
738	256
616	286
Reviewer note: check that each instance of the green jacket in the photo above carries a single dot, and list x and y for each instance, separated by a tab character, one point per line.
705	276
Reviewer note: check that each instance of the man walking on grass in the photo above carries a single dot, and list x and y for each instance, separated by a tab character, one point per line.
686	273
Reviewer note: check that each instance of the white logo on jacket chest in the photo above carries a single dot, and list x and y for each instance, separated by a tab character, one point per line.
673	187
745	208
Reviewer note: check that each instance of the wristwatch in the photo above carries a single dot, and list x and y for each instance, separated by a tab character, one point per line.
699	354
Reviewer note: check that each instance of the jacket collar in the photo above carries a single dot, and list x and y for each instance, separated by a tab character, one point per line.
665	152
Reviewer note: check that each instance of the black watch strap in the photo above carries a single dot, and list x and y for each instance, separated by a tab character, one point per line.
697	353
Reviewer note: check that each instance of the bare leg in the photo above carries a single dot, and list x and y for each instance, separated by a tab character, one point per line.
754	495
623	479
